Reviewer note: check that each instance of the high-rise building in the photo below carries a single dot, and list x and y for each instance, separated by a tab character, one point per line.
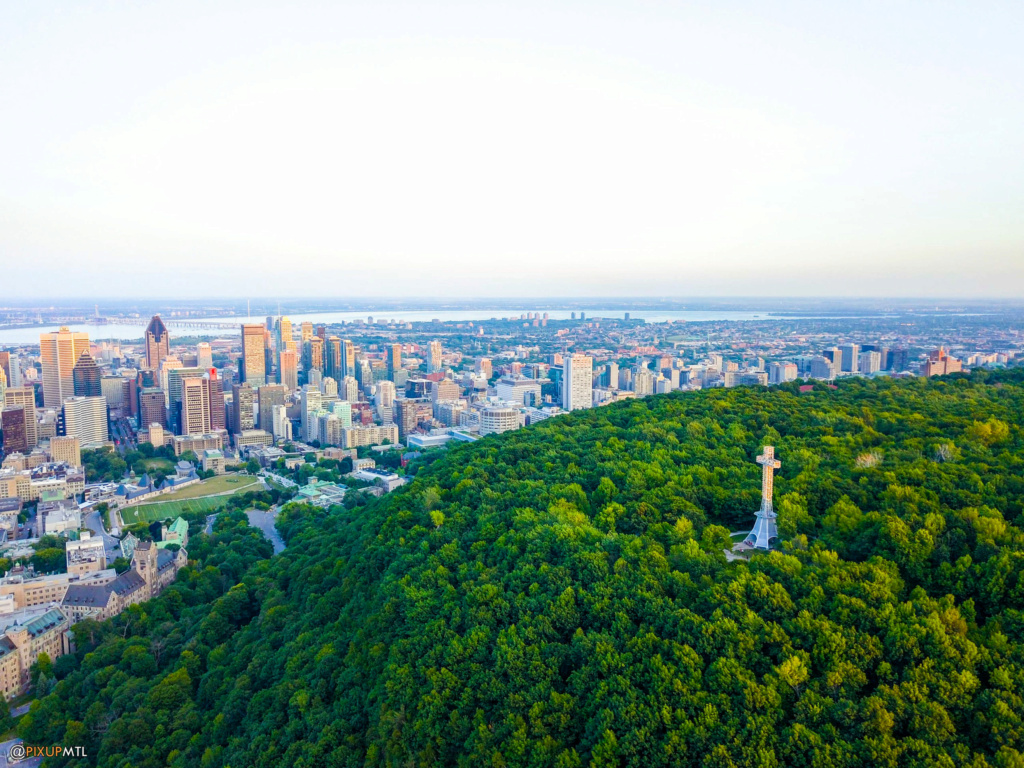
870	362
313	355
158	342
67	450
779	373
349	389
215	396
348	358
86	376
59	351
941	362
282	425
434	357
25	397
194	410
823	368
204	355
5	366
643	381
328	387
577	382
851	356
307	331
14	424
152	407
610	379
175	394
253	366
394	359
484	367
288	370
242	416
269	396
333	363
384	399
310	405
86	419
444	390
495	419
284	333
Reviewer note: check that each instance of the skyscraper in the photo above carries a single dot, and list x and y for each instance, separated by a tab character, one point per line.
25	397
310	405
434	357
313	355
86	419
152	408
288	370
176	396
307	331
269	396
577	382
158	342
384	399
59	351
851	357
204	355
195	406
348	358
86	376
394	358
5	366
284	334
215	395
67	450
253	367
242	416
348	389
14	424
333	365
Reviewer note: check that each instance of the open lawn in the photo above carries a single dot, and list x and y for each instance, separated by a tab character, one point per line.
221	484
207	496
161	465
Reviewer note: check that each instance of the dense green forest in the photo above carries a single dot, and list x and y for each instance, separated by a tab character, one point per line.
558	596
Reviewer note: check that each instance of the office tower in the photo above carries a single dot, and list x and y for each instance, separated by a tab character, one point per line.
313	355
204	355
899	359
577	382
215	396
394	359
282	425
26	397
268	354
5	366
779	373
851	354
86	419
253	366
152	407
269	396
242	416
59	352
14	424
870	362
444	390
517	389
310	405
3	386
284	333
343	410
333	364
67	450
625	379
407	416
314	378
86	377
611	375
434	357
158	342
349	389
321	331
194	418
329	387
348	358
484	367
288	370
170	363
495	419
823	368
384	399
643	381
307	331
175	394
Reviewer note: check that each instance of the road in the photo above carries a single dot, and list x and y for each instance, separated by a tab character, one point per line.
121	432
210	519
265	522
94	523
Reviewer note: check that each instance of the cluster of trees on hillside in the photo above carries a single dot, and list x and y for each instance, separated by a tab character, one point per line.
558	596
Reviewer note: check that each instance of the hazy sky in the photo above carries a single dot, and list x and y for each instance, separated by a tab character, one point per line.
517	148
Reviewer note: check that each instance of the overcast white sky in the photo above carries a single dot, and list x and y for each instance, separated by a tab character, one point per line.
512	149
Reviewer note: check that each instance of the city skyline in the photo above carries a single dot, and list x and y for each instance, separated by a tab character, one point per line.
699	150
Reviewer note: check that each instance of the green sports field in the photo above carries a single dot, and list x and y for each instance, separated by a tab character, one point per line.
208	496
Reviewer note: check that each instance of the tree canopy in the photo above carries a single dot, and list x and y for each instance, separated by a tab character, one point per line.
558	596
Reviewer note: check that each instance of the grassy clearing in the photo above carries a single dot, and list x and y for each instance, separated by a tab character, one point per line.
158	465
221	484
207	496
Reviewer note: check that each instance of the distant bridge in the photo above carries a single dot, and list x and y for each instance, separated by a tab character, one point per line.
186	323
